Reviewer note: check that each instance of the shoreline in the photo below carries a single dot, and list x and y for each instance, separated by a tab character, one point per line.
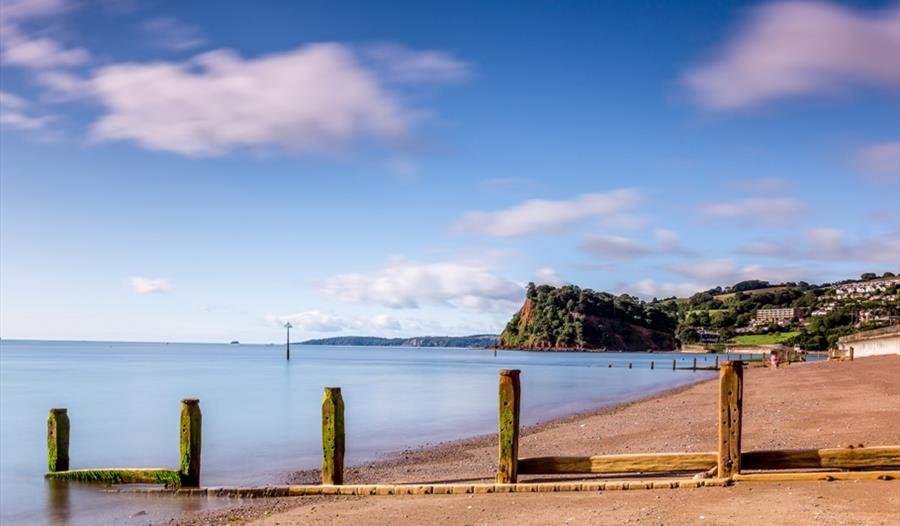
431	451
676	419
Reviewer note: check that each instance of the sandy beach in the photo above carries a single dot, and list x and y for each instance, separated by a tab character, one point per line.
815	405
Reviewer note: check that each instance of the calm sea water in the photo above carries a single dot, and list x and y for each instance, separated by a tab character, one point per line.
261	414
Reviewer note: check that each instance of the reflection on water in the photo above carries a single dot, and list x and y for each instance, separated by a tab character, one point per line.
58	507
261	414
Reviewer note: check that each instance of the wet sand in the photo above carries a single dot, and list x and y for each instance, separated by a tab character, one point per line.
813	405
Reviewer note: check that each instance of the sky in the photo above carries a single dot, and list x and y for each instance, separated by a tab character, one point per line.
207	171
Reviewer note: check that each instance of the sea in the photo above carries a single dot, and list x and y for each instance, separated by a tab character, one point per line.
262	413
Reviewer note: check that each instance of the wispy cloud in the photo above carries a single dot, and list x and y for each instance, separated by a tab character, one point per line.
667	242
761	185
403	65
142	285
170	33
725	271
760	211
828	244
550	217
13	112
614	247
880	160
408	284
549	276
649	288
798	48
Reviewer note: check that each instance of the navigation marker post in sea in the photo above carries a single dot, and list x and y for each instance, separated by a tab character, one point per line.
287	342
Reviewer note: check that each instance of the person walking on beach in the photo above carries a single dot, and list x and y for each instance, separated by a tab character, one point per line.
773	359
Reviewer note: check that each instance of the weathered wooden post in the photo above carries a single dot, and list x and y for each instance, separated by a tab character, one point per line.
694	367
332	437
191	421
731	400
510	402
851	354
629	365
651	365
717	362
673	364
58	440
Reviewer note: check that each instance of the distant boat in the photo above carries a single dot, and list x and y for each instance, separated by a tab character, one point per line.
235	342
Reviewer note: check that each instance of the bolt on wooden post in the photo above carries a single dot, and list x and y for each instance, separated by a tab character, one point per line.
191	421
510	402
332	436
731	401
58	440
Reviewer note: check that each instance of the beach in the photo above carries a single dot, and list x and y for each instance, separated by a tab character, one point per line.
813	405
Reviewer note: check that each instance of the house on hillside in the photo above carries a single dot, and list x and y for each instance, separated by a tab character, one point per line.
777	316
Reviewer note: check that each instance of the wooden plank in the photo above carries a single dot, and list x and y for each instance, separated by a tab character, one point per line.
865	457
510	401
332	436
641	463
191	421
58	440
731	399
819	475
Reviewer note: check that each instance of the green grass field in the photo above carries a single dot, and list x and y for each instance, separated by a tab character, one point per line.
763	339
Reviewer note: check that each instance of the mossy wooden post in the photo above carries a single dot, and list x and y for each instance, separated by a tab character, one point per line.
731	401
191	420
58	440
510	402
332	436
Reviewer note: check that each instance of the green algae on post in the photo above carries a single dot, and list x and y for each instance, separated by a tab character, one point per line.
191	420
332	436
58	440
168	477
510	400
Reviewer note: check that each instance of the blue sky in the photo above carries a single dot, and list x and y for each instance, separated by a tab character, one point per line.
181	171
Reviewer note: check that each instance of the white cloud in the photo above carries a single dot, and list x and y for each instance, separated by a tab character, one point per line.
170	33
715	272
20	49
549	276
318	98
407	284
538	215
150	285
761	185
42	53
772	211
880	160
796	48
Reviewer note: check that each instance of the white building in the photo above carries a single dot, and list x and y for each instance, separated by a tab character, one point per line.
870	343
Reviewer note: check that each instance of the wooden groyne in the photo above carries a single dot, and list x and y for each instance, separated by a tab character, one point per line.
728	464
